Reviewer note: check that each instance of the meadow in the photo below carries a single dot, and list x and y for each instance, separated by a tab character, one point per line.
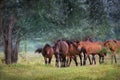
31	67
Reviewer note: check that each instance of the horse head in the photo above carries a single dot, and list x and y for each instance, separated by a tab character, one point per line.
80	45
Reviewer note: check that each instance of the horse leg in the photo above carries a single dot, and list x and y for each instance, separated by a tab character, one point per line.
84	62
49	60
58	61
100	59
89	59
63	61
112	59
80	56
69	59
103	59
75	59
115	58
94	59
45	60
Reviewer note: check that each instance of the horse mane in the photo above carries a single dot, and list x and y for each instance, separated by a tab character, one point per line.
68	42
47	45
58	40
71	42
115	41
74	45
106	42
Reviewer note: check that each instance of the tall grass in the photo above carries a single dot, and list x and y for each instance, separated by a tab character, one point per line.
33	68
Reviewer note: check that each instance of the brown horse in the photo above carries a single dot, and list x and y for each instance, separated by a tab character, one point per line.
73	52
91	48
61	50
113	46
47	53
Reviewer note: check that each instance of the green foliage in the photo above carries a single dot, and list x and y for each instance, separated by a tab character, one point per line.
53	19
97	13
118	50
105	50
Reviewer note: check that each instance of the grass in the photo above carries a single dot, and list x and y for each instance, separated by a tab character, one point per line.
33	68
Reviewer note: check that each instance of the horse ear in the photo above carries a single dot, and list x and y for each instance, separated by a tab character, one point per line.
115	41
76	41
106	42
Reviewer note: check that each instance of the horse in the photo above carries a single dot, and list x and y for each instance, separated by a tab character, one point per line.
47	52
61	51
73	52
90	48
113	46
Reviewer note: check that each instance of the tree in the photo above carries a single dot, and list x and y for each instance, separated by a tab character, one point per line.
22	19
7	23
13	28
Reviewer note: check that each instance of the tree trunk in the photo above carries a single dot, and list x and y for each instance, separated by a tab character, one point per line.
4	39
14	57
10	52
9	48
5	44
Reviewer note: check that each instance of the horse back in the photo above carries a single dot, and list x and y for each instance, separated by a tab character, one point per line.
61	47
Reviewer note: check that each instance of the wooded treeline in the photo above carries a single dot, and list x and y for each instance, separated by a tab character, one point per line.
49	20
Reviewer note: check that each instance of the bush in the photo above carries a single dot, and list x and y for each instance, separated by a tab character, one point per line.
105	50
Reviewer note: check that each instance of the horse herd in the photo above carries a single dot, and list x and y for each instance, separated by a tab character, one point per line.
66	50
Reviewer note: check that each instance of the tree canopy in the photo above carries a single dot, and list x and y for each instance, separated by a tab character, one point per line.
52	19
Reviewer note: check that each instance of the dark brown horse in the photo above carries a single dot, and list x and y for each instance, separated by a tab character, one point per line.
47	53
61	51
113	46
73	53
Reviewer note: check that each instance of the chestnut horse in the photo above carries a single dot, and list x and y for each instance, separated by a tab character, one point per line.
73	52
61	51
91	48
113	46
47	53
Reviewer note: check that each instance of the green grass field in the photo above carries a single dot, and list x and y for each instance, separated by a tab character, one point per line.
32	67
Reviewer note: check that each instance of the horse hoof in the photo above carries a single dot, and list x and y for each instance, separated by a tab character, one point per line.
90	63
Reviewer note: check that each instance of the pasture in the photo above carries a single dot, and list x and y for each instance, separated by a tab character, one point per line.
31	67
